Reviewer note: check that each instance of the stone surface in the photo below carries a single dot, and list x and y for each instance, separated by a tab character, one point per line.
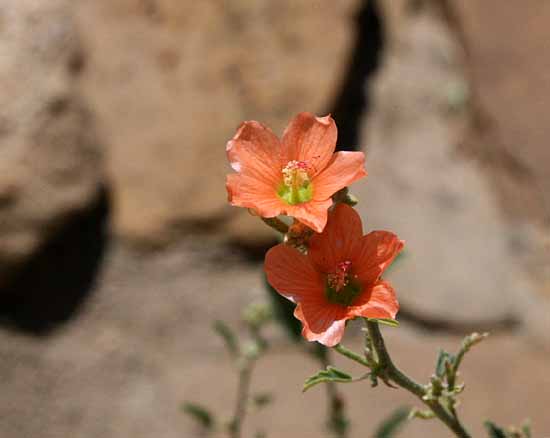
171	80
144	344
50	160
507	47
459	265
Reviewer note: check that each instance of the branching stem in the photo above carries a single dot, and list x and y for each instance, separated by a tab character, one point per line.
386	369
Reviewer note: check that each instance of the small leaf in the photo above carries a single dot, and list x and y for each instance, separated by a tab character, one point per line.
422	414
385	321
199	413
442	358
331	374
262	399
391	425
494	431
229	338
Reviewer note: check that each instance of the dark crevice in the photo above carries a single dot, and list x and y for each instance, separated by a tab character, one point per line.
51	288
352	103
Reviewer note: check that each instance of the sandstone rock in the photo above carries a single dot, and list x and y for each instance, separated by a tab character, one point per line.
171	80
459	265
50	162
508	60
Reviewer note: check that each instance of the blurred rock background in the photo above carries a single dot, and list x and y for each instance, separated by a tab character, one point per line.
117	247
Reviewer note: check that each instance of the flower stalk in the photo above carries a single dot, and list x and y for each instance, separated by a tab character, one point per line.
243	395
276	223
384	368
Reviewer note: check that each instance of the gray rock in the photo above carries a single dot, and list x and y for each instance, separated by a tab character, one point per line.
50	162
171	81
459	265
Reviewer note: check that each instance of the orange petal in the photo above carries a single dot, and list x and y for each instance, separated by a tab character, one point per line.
292	274
255	151
312	213
377	302
310	139
245	191
374	254
342	170
331	332
339	239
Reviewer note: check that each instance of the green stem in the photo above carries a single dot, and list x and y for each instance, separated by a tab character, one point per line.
243	391
351	355
276	223
337	421
386	366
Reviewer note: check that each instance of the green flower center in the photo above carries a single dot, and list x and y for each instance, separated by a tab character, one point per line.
296	187
342	286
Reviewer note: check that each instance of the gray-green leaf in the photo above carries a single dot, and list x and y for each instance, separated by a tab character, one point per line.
199	413
331	374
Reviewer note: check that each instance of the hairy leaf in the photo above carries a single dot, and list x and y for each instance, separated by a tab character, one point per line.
331	374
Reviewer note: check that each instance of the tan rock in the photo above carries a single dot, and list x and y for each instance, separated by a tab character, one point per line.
50	162
507	46
459	265
171	80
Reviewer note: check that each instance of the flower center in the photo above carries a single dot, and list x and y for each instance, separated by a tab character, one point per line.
342	286
296	186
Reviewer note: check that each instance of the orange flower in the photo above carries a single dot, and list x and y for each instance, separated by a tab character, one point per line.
339	278
295	176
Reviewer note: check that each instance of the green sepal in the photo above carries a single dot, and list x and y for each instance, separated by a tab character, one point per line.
331	374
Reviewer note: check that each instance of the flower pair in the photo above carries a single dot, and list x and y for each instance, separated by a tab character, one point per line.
338	277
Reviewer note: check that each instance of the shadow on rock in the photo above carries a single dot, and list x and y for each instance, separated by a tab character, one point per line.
352	102
51	288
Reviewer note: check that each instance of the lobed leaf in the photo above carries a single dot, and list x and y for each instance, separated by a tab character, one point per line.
331	374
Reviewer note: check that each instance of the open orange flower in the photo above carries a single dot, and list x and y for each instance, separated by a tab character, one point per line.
339	278
295	176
